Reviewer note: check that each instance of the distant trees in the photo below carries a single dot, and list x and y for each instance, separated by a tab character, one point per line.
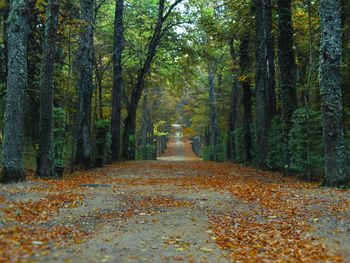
234	100
330	88
213	112
12	147
45	158
129	133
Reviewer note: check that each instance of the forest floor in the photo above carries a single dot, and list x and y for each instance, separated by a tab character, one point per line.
175	209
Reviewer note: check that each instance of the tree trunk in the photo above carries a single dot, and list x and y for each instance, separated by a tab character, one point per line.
287	65
213	114
117	80
85	66
263	78
32	98
99	91
16	86
5	14
247	97
234	104
130	121
45	158
330	89
271	74
144	128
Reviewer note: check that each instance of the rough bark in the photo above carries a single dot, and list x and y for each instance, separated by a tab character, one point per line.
287	66
213	114
263	78
271	69
144	128
99	91
128	148
3	66
45	158
330	89
234	103
247	96
85	67
117	80
16	86
35	47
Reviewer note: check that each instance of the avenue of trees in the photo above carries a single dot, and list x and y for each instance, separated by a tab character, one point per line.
259	82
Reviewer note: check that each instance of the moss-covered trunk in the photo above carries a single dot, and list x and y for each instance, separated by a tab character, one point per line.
330	80
16	86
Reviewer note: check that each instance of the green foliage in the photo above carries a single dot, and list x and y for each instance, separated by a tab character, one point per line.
206	153
146	152
222	149
150	151
306	144
157	127
59	134
102	135
277	147
238	143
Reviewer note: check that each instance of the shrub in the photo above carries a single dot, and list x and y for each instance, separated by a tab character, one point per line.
206	153
277	157
150	148
222	148
59	134
306	144
238	143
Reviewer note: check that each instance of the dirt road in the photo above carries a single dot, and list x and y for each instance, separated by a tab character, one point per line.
177	209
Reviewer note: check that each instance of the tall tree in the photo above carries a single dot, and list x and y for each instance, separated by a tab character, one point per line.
263	77
45	160
4	12
117	80
247	96
85	68
130	121
234	102
16	86
330	89
287	65
213	112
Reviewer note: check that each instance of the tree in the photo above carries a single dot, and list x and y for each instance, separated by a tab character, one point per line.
263	77
247	96
287	65
45	160
234	101
16	86
117	80
213	112
85	68
330	89
130	121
